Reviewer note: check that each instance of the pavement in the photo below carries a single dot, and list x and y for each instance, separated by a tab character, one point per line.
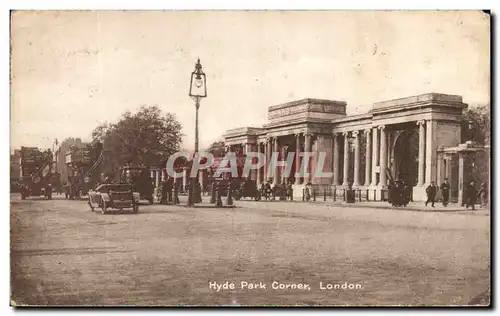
62	254
412	206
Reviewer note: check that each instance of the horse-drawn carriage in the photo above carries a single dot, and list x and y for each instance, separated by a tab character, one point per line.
247	189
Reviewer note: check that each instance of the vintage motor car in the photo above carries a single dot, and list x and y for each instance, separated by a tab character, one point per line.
114	196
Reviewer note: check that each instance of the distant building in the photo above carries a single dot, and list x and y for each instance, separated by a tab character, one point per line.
61	155
414	139
15	165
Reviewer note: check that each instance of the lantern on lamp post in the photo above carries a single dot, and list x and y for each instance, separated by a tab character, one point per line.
197	91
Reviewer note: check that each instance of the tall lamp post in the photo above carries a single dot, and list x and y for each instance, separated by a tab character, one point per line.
55	150
197	91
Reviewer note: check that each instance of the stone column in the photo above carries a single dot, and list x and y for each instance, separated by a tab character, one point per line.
346	159
383	156
461	178
357	157
184	178
368	157
324	147
276	168
421	152
308	148
163	174
440	168
201	176
283	153
448	168
157	182
336	159
297	157
259	178
269	141
375	155
248	149
430	152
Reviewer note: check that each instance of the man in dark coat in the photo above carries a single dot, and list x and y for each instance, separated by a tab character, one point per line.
170	189
268	190
166	191
470	196
445	192
290	190
431	191
197	192
483	195
391	189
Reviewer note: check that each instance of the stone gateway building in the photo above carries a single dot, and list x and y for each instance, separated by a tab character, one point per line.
414	139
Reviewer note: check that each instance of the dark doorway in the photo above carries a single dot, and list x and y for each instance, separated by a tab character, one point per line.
406	157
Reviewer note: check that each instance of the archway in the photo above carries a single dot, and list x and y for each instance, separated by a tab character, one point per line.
405	153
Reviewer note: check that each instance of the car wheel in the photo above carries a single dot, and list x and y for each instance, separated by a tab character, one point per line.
104	207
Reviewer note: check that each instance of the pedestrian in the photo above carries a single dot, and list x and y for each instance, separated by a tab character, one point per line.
290	190
445	192
406	193
283	190
197	190
308	191
164	192
431	191
170	189
470	196
275	190
483	195
391	189
269	190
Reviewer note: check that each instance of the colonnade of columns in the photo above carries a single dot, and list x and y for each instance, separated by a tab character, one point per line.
158	175
271	145
376	156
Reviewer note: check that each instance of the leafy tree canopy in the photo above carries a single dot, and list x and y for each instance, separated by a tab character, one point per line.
480	129
146	138
217	149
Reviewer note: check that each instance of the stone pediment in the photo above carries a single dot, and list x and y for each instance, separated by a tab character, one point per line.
307	108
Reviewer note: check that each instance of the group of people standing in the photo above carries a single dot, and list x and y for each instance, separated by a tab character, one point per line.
283	190
471	194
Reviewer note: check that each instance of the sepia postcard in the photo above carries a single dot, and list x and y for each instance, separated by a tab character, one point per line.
250	158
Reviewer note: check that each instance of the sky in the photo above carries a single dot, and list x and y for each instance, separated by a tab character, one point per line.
73	70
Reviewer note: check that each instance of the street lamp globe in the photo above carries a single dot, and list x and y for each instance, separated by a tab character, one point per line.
198	86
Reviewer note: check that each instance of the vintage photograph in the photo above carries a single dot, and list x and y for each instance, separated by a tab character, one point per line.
250	158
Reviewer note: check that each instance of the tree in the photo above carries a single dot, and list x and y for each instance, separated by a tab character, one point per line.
146	138
477	126
217	149
480	117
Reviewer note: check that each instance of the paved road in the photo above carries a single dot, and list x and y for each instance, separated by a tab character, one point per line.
63	254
